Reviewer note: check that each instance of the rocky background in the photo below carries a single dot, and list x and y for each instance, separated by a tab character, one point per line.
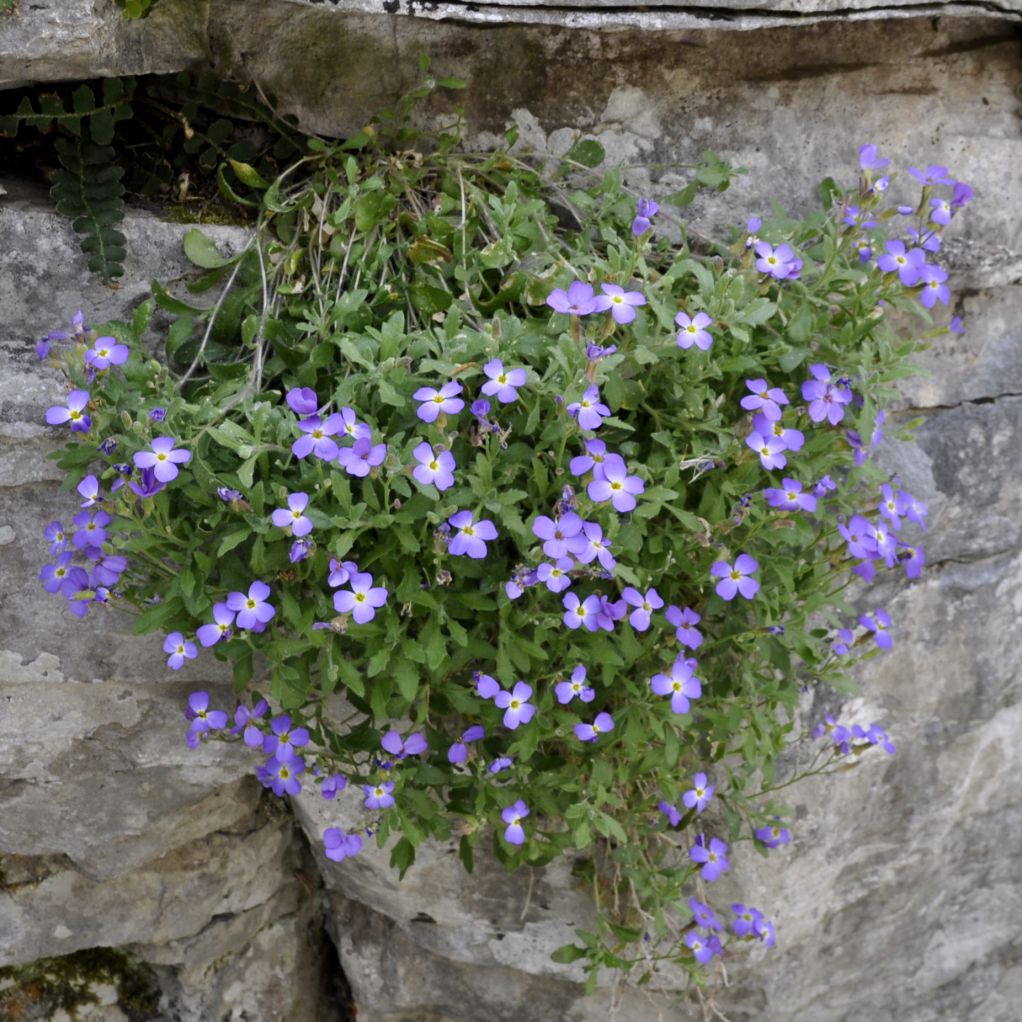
901	894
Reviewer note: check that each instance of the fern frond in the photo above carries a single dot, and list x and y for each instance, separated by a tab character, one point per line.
87	190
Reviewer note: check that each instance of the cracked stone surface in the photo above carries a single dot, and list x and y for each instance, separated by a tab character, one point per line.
902	871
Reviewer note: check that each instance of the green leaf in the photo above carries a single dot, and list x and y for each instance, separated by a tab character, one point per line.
588	152
569	953
202	252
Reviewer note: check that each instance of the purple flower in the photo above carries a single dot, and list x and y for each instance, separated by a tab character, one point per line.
245	720
91	529
317	437
89	489
589	411
585	613
928	241
351	427
671	812
518	709
284	740
845	638
892	505
704	915
338	846
956	326
556	576
838	733
54	576
693	330
769	448
578	300
880	624
163	459
827	399
513	816
590	732
712	857
458	752
147	486
682	685
699	795
105	352
283	775
502	382
876	735
73	412
437	469
736	579
622	303
227	495
778	262
361	457
561	537
340	572
941	211
616	485
223	618
913	560
934	288
645	605
868	159
703	948
568	690
766	399
158	414
823	487
645	210
362	600
179	649
471	536
791	439
746	920
500	764
252	610
300	549
595	454
933	175
595	546
685	622
773	835
378	796
790	497
414	745
201	716
54	532
293	515
434	401
906	262
302	401
331	785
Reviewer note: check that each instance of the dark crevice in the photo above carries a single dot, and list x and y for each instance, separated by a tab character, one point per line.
988	400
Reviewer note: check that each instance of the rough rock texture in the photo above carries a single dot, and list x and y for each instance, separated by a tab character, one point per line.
111	832
901	894
57	40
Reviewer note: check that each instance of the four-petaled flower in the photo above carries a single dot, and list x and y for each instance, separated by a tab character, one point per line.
163	459
685	622
434	402
578	300
589	411
363	456
105	352
435	468
699	795
73	412
736	579
693	330
622	303
515	704
471	536
362	600
645	210
201	716
503	382
294	515
318	437
712	857
252	610
576	686
179	649
790	497
378	796
772	835
414	745
681	685
879	624
616	485
644	606
766	399
513	816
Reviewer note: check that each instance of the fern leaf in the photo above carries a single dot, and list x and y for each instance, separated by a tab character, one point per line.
87	189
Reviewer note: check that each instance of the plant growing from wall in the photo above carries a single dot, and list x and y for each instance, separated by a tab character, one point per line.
559	506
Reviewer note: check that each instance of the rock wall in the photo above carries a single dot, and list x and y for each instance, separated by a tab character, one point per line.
901	894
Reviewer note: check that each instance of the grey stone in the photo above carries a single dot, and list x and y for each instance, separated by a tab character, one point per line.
54	40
